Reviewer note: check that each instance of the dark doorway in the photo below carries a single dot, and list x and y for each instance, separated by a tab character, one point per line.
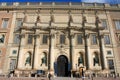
62	66
111	65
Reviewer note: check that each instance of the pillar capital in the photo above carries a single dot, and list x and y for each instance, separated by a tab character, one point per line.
22	36
52	35
102	35
36	35
72	35
87	35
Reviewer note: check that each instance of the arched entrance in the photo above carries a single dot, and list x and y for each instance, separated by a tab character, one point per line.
62	66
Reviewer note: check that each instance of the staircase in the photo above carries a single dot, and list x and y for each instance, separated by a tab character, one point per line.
64	78
86	78
57	78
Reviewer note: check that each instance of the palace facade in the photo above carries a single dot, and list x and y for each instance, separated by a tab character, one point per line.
60	38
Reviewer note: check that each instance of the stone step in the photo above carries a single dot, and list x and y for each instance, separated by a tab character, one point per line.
85	78
57	78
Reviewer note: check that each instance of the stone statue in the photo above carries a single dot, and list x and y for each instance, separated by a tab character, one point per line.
38	19
96	60
28	60
80	60
44	61
2	38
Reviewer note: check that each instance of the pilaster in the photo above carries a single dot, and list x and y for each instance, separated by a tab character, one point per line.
51	51
37	44
103	52
88	55
72	45
21	51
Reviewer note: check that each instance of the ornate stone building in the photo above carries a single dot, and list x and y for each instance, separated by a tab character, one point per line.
63	38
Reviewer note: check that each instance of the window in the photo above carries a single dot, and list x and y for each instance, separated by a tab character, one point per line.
109	52
18	23
111	64
45	39
5	23
79	39
104	23
106	39
2	38
16	38
117	24
14	52
12	64
30	39
62	39
94	39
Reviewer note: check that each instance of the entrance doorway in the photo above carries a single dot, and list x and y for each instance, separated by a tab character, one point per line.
62	66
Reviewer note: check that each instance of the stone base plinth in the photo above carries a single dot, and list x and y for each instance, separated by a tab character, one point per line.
24	73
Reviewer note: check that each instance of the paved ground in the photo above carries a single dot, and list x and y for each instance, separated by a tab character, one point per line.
57	78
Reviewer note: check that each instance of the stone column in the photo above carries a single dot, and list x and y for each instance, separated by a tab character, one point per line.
87	44
51	51
88	54
103	53
73	65
21	52
101	44
36	54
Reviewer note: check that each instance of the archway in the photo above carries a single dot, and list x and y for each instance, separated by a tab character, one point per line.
62	66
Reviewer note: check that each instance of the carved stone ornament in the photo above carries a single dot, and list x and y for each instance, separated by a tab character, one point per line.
38	19
70	18
118	37
97	20
25	18
52	35
51	20
87	35
22	35
102	35
84	19
72	35
62	48
37	35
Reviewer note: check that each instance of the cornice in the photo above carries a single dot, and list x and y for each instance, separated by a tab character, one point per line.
59	7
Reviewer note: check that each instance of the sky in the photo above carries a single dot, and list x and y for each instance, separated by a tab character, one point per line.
90	1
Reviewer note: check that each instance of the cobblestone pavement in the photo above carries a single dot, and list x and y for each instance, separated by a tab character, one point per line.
57	78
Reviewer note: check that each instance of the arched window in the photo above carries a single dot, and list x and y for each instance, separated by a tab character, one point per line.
80	59
44	59
28	58
95	59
